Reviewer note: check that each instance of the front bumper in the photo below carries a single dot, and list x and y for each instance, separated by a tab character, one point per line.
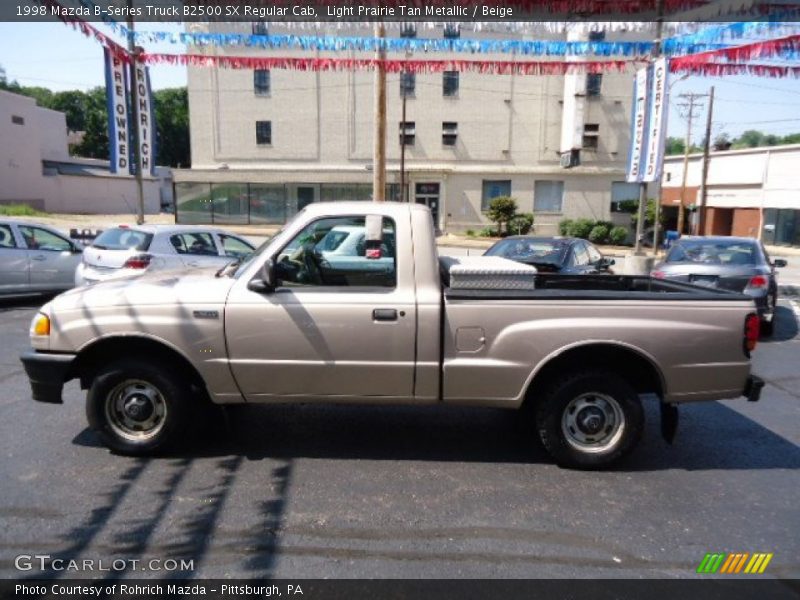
47	373
752	389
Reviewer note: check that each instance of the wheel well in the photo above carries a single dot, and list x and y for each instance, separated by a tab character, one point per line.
103	352
637	370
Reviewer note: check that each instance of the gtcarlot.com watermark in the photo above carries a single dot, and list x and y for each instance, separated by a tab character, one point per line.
46	562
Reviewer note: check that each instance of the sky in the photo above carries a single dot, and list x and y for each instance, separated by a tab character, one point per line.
56	56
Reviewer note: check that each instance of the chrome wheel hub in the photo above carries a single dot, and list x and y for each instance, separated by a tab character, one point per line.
135	410
593	422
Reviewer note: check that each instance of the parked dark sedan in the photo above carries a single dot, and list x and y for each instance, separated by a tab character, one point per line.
730	263
572	256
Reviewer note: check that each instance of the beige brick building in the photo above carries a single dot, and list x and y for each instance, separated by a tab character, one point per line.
264	144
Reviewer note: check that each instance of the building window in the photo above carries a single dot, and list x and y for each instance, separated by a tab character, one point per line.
408	30
261	82
548	196
408	82
449	133
260	28
452	31
493	189
407	132
597	36
16	120
623	195
263	133
591	136
450	84
594	82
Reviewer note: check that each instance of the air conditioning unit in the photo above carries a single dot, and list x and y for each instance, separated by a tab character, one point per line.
571	158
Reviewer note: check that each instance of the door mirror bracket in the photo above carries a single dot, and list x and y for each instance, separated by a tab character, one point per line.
265	282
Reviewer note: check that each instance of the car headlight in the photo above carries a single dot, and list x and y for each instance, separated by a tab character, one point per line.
40	326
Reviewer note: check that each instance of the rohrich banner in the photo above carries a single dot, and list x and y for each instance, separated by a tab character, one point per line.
147	122
118	121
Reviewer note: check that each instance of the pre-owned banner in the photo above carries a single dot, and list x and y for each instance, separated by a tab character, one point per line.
658	103
638	126
146	120
118	122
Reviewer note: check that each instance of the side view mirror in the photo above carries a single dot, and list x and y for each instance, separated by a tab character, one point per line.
779	262
265	283
77	249
605	263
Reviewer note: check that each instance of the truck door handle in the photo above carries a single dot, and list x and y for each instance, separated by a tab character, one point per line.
384	314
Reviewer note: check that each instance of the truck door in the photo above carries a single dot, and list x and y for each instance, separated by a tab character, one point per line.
341	322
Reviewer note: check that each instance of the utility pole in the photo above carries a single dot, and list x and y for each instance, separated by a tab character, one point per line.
137	157
701	216
403	150
656	53
379	148
690	105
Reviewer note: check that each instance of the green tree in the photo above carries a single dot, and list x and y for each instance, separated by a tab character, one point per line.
95	138
73	104
501	210
750	139
674	146
172	127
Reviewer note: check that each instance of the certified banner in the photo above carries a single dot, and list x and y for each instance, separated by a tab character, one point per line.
658	104
117	105
147	124
638	127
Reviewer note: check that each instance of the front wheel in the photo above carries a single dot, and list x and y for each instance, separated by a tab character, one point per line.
589	419
137	408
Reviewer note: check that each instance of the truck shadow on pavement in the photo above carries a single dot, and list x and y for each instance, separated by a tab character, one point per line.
710	436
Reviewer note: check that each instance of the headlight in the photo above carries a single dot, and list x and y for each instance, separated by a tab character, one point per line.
40	326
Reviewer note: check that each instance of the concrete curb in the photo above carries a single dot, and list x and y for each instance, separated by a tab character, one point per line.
790	289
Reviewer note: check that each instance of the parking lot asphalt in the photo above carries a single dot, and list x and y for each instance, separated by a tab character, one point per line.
351	492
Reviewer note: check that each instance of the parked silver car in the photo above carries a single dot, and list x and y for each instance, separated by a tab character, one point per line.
130	251
738	264
35	259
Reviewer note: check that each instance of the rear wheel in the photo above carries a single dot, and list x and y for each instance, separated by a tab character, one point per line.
589	419
138	408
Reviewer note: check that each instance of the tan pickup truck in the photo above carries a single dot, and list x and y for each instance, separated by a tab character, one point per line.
300	320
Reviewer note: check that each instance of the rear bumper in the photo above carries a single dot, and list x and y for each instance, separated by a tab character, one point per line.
47	374
752	389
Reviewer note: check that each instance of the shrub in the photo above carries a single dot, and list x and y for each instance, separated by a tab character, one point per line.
617	235
19	210
598	234
581	228
520	224
501	210
564	226
487	232
470	233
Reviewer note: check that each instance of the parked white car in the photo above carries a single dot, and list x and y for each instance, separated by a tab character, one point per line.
128	251
35	259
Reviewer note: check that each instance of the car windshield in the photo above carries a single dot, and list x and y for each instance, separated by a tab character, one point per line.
530	250
123	239
717	253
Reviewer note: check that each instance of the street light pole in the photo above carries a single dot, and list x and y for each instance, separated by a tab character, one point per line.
137	157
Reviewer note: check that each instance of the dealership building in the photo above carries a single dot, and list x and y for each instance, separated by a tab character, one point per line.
267	142
751	192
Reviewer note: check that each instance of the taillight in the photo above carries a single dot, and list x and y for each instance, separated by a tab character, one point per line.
758	282
658	274
140	261
752	327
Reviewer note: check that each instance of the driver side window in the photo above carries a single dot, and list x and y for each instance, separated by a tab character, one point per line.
332	252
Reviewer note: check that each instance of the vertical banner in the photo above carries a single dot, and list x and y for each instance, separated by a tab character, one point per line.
638	127
657	121
146	125
117	105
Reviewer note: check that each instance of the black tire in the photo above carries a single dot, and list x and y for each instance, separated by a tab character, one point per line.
126	378
601	399
767	328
